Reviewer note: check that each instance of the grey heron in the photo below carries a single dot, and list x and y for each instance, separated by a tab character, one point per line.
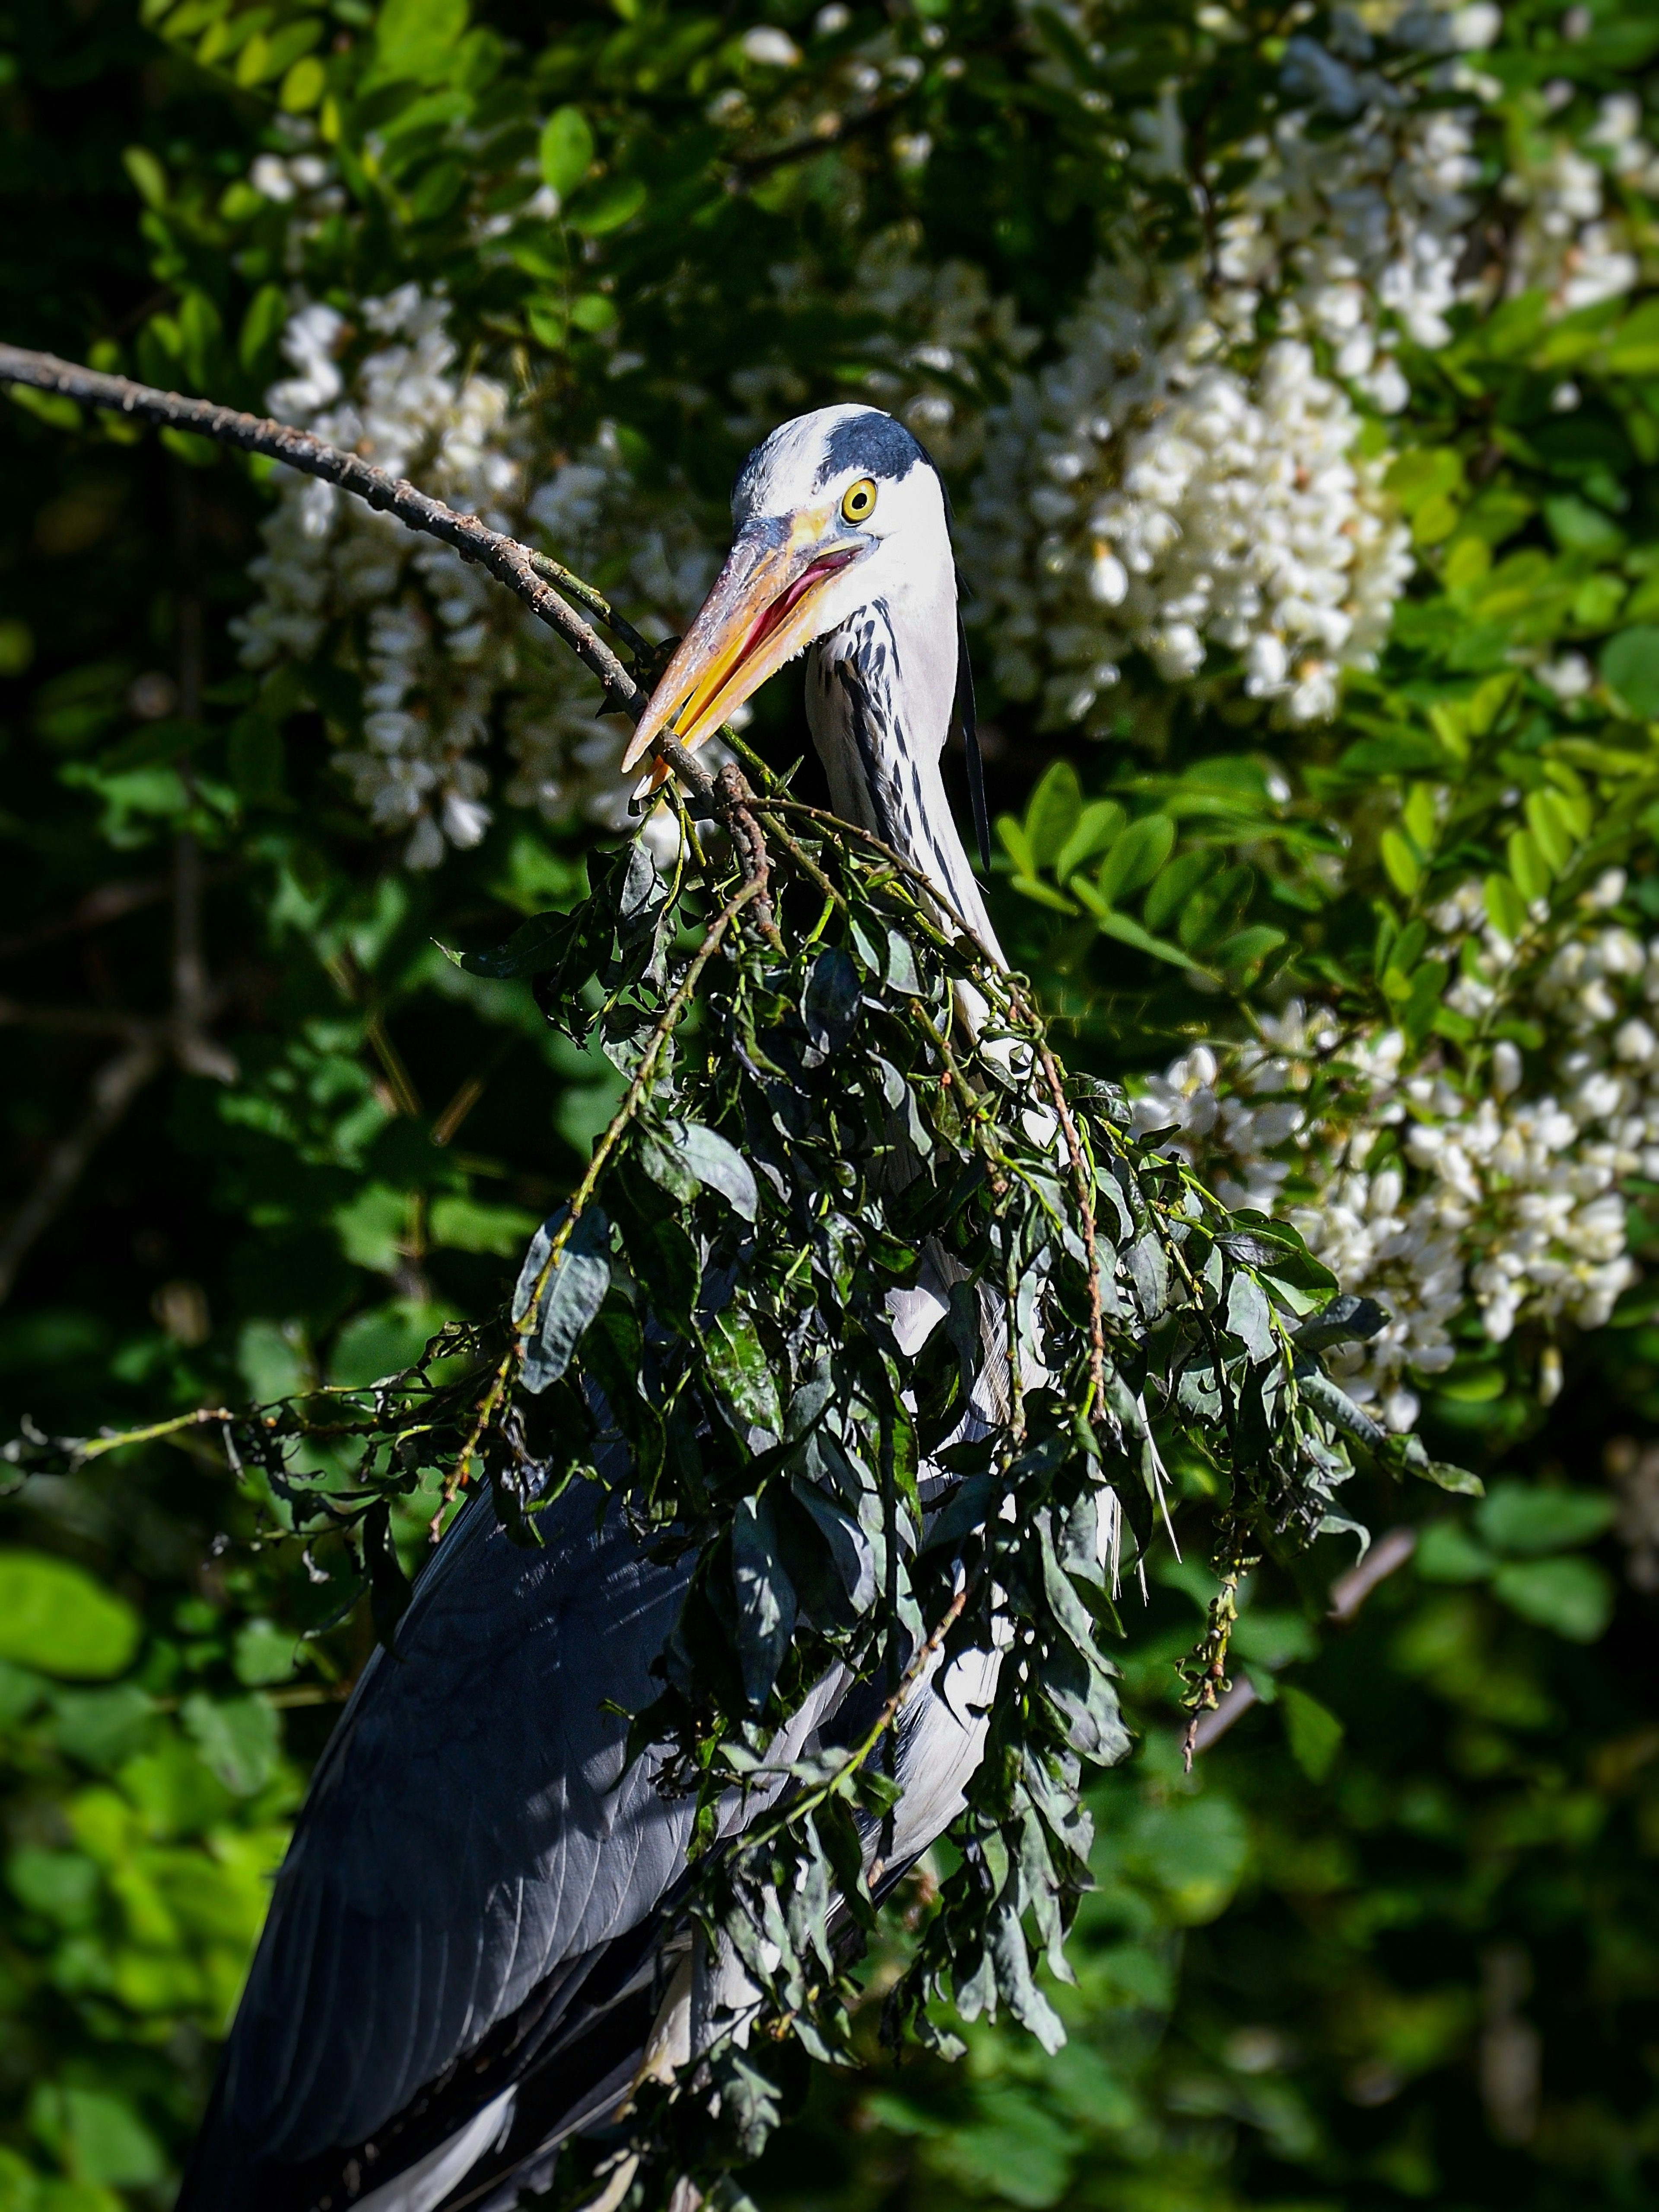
475	1936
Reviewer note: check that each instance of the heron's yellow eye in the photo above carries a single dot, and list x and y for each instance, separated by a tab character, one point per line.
859	501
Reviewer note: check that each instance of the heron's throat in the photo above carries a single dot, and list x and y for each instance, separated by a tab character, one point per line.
880	691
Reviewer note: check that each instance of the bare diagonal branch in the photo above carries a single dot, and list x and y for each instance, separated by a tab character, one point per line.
114	1087
510	563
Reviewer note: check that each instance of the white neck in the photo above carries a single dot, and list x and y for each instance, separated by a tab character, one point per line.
880	693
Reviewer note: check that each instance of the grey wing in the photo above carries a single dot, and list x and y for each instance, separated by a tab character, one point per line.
472	1826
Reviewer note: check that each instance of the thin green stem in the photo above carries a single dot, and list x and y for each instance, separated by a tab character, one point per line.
632	1098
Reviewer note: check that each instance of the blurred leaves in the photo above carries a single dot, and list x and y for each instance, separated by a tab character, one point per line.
55	1617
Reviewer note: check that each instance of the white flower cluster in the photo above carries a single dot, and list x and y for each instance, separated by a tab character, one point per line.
1357	236
1428	1200
1142	493
444	655
1145	491
1568	240
434	644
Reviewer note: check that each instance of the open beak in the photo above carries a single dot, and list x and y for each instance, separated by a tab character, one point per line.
761	611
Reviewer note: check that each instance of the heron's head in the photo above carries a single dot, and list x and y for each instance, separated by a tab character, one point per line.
837	509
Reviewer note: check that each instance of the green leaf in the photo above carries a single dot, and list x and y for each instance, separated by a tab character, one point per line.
1506	910
1111	923
1313	1731
902	975
1017	845
1550	817
1348	1319
1446	1552
548	322
1033	887
1422	1000
104	2142
239	1739
572	1296
607	206
1528	1518
1175	885
1423	475
467	1224
1053	814
1249	1316
304	86
389	1587
60	1885
1237	955
149	177
537	944
1532	872
1095	829
593	311
101	1727
716	1161
829	1000
1630	668
55	408
1573	1597
263	1653
414	40
742	1372
56	1619
262	325
1136	855
1457	1481
1399	858
566	150
1633	349
765	1596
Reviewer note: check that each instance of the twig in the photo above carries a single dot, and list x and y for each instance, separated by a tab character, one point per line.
566	579
203	1417
114	1087
107	903
520	568
81	1021
896	860
803	859
810	1799
508	561
192	999
1386	1556
1211	1684
1348	1593
468	1092
733	799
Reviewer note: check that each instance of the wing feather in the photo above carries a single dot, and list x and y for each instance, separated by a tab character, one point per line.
453	1853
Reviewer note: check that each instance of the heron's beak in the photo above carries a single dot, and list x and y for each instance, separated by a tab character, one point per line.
761	612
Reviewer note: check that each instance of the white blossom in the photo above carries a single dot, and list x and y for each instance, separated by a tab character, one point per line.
775	49
1438	1203
1142	493
445	657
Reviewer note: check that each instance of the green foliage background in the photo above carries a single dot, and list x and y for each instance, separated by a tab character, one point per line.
1327	1968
